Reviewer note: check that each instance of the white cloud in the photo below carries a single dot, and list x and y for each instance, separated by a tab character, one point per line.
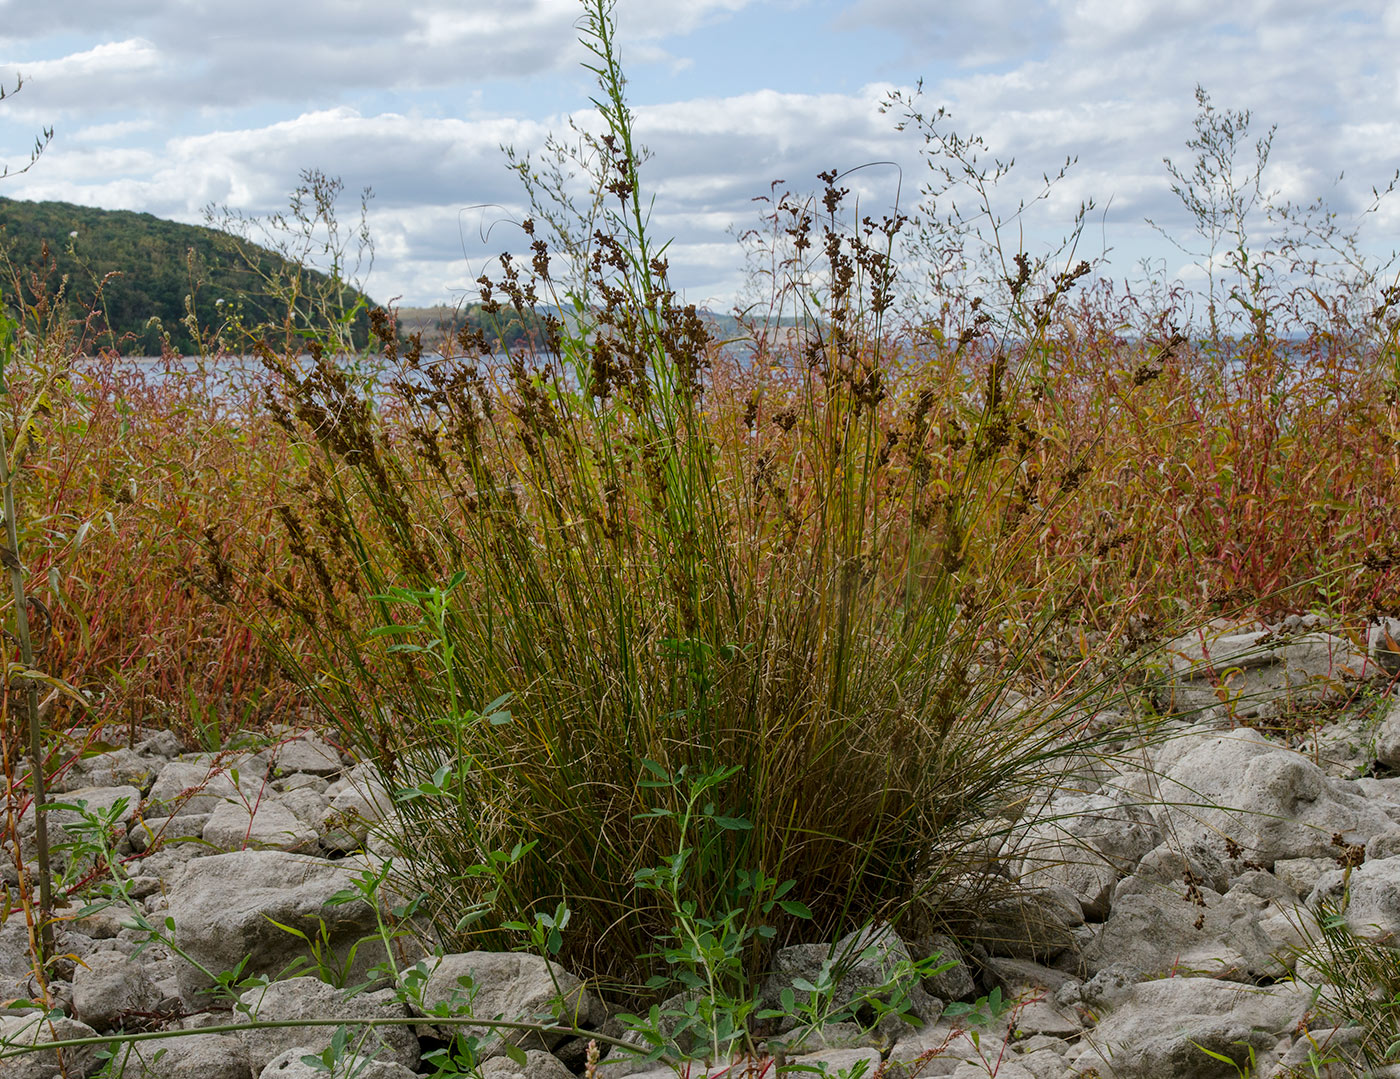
118	129
175	105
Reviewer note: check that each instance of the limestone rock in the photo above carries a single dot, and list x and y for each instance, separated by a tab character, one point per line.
1023	978
269	827
1159	1028
1009	1068
837	1062
150	832
307	754
1270	801
31	1028
118	767
862	961
507	985
224	907
198	1056
538	1065
1086	843
955	982
98	800
289	1065
1259	671
357	804
1301	875
1388	737
108	987
910	1057
310	998
1383	644
1035	925
1373	910
1191	930
300	781
160	743
305	803
186	787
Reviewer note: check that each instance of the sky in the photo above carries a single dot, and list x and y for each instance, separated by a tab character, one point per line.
174	106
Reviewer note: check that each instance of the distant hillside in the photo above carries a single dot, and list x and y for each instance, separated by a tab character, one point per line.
164	267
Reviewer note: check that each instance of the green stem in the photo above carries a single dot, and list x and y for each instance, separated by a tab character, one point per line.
279	1024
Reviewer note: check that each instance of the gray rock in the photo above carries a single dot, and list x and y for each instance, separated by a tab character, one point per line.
310	998
954	983
1170	866
224	907
62	830
1008	1068
184	787
269	827
1043	1017
1272	802
1385	845
1086	843
871	961
364	791
1301	875
16	964
360	803
150	832
119	767
289	1065
1259	672
1383	644
839	1062
1034	925
507	985
198	1056
31	1028
611	1070
928	1052
1344	748
1373	893
1043	1063
673	1014
1024	978
1101	993
298	781
1388	737
1158	1030
1180	930
807	1040
98	800
163	744
307	754
172	856
538	1065
307	804
1336	1052
108	987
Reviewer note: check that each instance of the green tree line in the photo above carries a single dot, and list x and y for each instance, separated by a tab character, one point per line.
172	286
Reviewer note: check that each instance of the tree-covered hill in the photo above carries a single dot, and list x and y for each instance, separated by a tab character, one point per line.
164	271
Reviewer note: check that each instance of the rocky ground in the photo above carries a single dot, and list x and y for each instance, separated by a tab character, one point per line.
1169	894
